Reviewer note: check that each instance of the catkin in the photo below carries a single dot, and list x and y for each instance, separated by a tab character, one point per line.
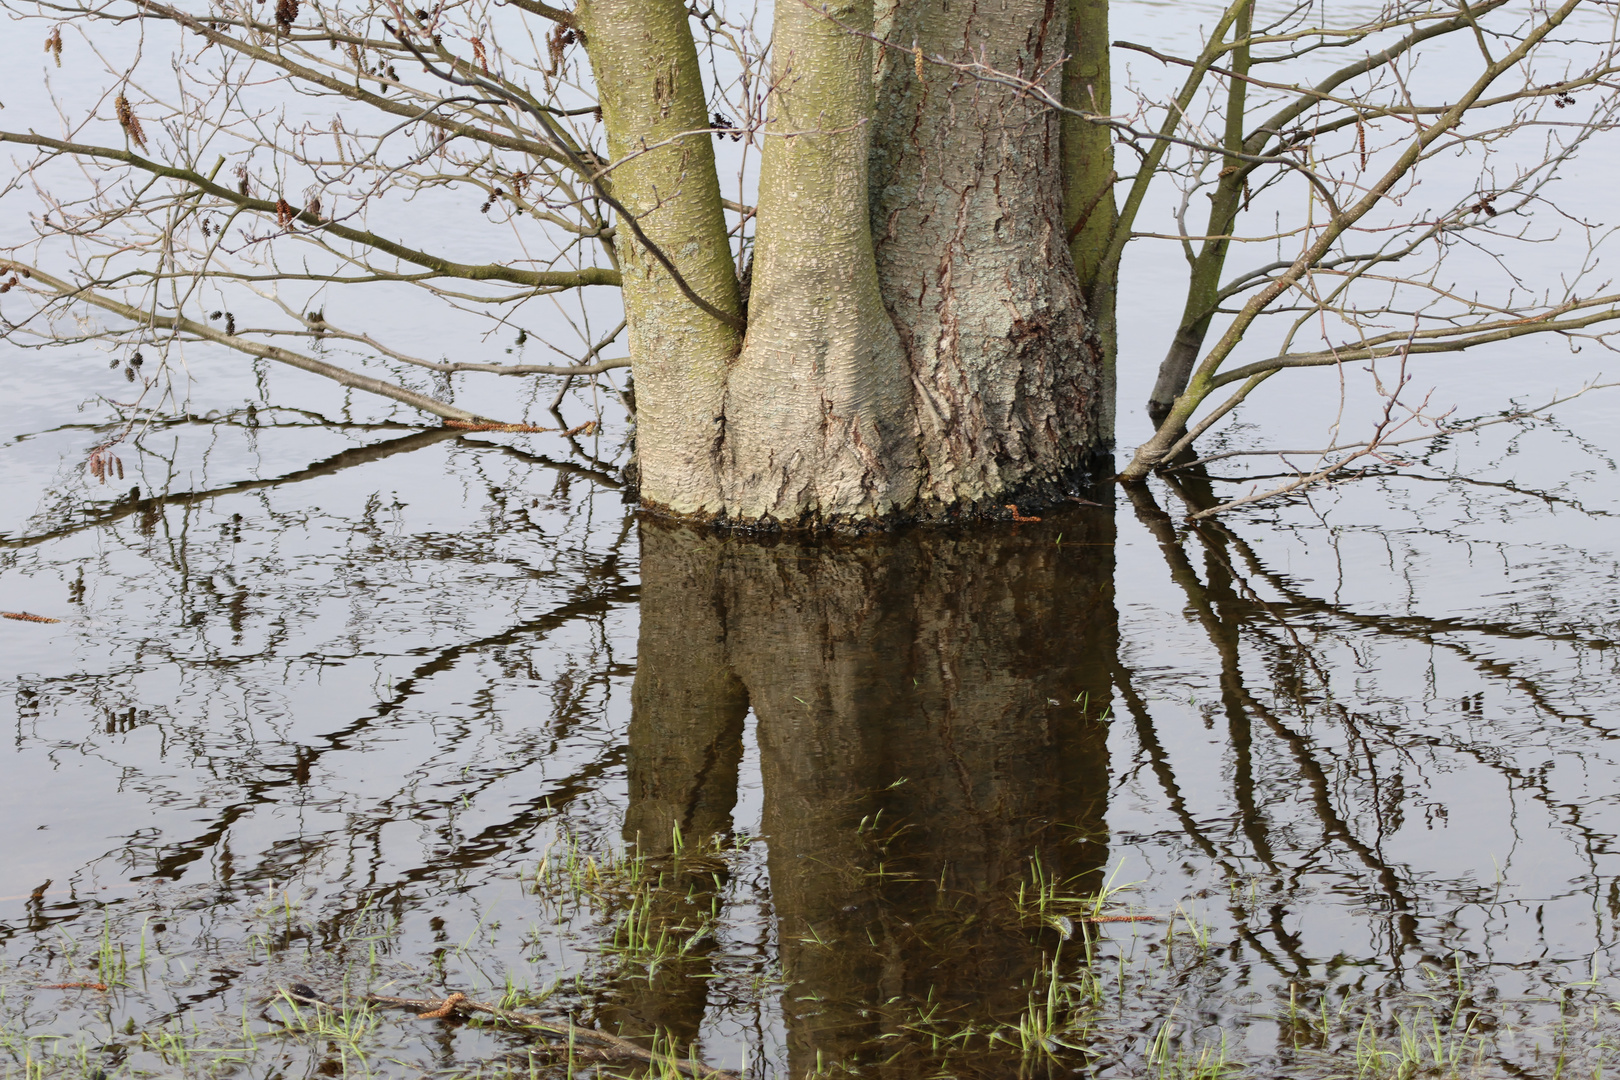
129	121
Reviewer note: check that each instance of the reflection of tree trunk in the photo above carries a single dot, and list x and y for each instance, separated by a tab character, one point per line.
686	726
687	708
928	712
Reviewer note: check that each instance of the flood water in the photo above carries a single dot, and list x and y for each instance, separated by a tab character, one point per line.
372	708
1327	788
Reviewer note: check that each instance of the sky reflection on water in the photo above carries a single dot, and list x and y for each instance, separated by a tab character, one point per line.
328	688
325	714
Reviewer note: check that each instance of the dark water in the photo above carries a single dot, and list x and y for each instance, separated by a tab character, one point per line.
346	703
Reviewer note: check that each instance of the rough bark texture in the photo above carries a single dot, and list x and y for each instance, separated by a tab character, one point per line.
651	90
930	715
967	217
945	369
819	425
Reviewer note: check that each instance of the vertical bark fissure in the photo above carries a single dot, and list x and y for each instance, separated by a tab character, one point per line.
651	91
967	198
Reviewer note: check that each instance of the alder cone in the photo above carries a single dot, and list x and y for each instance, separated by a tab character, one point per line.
129	121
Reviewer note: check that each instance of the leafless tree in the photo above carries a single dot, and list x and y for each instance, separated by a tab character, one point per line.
827	347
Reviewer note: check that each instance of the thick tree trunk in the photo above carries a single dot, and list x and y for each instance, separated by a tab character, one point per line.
945	370
819	422
651	91
973	258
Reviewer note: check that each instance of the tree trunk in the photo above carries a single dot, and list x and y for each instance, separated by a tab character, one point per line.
651	91
945	370
1089	210
819	419
973	259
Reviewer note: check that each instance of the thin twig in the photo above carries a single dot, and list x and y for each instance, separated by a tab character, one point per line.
456	1003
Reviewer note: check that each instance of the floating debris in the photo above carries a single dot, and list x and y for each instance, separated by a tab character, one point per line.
608	1046
530	429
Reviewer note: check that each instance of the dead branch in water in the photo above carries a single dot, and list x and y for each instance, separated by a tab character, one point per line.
607	1046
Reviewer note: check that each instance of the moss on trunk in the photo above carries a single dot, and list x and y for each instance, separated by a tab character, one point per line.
651	92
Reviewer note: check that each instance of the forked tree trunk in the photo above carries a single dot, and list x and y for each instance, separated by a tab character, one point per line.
819	418
651	92
973	258
946	369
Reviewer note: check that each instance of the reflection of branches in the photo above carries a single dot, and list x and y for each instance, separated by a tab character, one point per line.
264	783
134	504
1433	632
1350	452
1223	634
1430	631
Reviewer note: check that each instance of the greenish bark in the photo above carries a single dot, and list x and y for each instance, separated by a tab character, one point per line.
651	92
1205	281
1185	381
820	425
1203	379
1090	214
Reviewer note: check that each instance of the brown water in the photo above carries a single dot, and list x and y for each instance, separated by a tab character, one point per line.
326	696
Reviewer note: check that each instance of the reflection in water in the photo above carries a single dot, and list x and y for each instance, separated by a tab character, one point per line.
930	720
320	707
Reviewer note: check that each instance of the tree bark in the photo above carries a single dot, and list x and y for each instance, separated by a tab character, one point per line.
973	259
946	369
651	92
819	420
1090	212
